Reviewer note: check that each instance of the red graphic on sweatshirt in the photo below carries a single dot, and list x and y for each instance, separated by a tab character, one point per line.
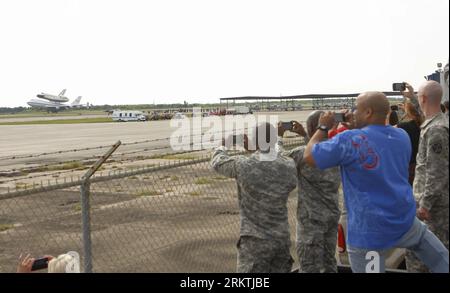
368	158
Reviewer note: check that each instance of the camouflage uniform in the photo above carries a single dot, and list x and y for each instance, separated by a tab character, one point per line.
317	215
258	255
263	189
431	181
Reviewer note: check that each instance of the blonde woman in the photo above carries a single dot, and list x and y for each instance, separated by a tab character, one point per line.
412	127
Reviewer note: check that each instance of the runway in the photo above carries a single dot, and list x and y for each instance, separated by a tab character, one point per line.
32	139
49	118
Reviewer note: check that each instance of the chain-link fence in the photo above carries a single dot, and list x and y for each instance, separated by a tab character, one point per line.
165	213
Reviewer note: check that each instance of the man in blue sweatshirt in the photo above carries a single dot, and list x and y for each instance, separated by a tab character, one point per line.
373	160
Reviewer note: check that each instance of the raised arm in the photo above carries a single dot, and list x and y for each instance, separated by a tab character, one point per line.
412	97
326	122
297	153
223	163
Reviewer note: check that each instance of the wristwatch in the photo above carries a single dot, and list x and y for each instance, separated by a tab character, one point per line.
323	128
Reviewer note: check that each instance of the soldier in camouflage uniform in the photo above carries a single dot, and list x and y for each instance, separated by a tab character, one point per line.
431	181
264	181
318	207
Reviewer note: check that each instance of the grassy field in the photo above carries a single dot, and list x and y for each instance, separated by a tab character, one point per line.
61	121
45	114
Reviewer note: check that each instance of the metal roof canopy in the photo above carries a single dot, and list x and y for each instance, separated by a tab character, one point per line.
304	97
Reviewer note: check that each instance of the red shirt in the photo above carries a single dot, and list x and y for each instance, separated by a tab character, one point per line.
333	132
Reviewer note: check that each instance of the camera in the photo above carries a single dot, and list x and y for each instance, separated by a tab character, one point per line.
339	117
399	87
40	263
287	125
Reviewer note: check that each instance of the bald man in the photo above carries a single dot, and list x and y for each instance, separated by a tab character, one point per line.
431	179
374	158
318	206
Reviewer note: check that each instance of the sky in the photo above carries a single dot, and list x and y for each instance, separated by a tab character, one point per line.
170	51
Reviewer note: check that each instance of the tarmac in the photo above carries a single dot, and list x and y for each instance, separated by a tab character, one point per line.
32	139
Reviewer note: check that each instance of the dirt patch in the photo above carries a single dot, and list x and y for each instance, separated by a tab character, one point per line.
155	222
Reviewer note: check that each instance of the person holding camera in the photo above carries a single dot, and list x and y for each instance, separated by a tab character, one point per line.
373	159
28	264
412	127
65	263
431	174
264	181
318	205
410	96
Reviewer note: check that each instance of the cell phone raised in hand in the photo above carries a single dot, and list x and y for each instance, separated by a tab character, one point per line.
339	117
40	263
287	125
399	87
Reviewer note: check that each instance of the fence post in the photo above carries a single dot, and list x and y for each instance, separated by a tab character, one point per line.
85	190
86	220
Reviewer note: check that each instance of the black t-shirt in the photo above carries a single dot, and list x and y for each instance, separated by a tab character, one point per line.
413	131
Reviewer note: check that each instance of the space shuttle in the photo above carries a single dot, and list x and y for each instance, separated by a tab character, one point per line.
54	103
52	98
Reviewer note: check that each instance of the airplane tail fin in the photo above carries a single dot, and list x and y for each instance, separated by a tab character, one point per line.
76	102
62	92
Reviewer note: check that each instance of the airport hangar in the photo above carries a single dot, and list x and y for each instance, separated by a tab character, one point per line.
319	101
